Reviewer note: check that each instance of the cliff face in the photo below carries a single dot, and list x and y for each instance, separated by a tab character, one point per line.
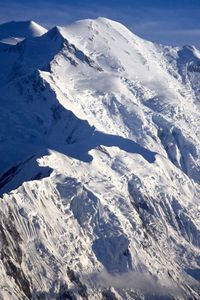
100	166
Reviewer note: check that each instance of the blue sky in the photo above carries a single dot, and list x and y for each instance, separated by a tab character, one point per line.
174	22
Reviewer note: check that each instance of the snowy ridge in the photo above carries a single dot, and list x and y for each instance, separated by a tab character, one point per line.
13	32
100	166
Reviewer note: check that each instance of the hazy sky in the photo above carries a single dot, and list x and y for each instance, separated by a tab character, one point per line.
165	21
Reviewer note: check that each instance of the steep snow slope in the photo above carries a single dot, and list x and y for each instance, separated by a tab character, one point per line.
100	166
13	32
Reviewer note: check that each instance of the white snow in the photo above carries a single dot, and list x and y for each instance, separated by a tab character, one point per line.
100	164
15	31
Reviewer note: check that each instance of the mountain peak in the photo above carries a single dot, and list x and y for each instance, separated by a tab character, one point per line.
111	209
54	32
15	31
101	26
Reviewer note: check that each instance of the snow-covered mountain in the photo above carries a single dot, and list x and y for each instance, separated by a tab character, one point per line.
100	166
14	32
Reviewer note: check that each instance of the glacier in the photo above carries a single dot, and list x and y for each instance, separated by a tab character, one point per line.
99	164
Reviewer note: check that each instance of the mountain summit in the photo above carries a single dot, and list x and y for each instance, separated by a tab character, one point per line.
15	31
100	165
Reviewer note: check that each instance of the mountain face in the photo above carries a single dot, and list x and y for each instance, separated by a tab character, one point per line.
14	32
100	166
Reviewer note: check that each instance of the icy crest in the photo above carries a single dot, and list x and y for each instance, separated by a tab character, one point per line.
100	165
